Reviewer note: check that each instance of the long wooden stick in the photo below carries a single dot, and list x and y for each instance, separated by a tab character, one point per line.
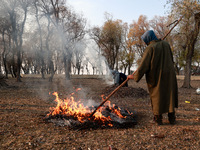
108	97
172	28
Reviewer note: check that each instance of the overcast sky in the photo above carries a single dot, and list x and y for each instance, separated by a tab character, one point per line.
126	10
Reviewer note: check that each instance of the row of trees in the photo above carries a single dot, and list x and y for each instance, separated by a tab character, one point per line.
47	36
38	36
120	42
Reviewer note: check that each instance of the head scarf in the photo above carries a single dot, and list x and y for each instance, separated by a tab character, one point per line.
149	36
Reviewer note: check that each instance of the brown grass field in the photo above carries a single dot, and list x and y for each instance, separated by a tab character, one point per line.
23	106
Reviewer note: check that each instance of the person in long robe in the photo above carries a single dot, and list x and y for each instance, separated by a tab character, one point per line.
158	66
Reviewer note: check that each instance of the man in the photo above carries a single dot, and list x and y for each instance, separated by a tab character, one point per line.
119	78
157	65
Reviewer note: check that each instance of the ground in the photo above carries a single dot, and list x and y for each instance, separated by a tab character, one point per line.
23	106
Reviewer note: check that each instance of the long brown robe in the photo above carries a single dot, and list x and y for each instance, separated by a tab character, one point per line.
157	64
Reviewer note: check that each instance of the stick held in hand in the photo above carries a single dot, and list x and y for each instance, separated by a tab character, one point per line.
108	97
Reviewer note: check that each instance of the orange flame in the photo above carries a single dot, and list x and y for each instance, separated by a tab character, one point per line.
69	107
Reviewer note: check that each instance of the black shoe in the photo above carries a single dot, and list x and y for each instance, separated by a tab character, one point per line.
172	122
172	118
158	119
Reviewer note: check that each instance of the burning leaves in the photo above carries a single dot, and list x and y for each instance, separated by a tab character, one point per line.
72	113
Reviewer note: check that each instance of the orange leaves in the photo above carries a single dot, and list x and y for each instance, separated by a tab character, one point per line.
137	29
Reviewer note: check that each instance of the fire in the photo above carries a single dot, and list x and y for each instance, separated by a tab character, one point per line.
73	108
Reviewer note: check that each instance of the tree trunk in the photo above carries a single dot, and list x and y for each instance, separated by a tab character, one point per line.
192	38
67	65
79	69
68	68
42	67
93	70
52	71
125	69
187	77
5	67
18	65
78	65
41	42
4	55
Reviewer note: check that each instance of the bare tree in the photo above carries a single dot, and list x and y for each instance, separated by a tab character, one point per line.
71	28
36	3
79	50
16	11
6	43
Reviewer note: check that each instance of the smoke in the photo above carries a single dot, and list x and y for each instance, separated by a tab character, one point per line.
90	103
97	63
56	39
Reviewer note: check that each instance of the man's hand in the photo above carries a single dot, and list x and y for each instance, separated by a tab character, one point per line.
130	76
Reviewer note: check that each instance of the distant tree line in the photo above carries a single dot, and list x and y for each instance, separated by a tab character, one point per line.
40	37
48	37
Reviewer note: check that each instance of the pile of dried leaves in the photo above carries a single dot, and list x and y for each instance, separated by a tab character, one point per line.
125	92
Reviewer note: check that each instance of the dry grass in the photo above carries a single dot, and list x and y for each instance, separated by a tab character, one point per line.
23	106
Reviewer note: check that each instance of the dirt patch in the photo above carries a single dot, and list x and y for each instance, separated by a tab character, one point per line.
2	82
23	106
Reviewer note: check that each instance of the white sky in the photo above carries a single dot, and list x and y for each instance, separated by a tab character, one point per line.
126	10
